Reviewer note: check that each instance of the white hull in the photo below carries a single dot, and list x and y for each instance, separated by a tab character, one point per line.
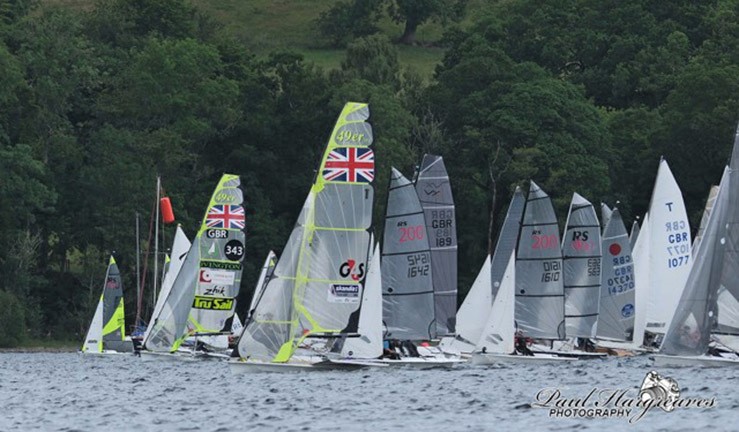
688	361
104	353
491	359
421	362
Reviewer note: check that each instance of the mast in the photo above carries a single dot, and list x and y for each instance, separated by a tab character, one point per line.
138	275
156	243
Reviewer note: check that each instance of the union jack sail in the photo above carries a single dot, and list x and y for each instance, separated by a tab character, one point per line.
350	164
225	216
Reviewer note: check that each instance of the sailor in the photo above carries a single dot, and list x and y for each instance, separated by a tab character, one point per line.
521	344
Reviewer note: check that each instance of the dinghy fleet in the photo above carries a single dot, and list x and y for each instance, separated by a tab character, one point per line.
333	299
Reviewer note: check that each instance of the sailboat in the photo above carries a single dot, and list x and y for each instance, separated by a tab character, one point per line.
474	312
315	292
539	287
705	329
407	278
408	293
435	195
202	299
107	332
497	341
180	247
668	259
581	256
618	301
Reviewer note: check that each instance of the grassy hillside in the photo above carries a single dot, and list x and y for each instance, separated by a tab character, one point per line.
266	25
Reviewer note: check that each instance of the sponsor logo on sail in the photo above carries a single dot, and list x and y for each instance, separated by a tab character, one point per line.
220	265
627	310
350	268
343	293
212	303
217	277
655	391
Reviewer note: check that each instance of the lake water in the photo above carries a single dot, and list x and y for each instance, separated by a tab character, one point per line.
70	392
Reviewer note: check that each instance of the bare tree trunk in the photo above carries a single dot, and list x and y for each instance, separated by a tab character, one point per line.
409	34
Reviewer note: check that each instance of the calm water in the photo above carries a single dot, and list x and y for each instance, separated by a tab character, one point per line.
69	392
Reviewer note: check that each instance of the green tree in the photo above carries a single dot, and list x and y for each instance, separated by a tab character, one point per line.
416	12
347	20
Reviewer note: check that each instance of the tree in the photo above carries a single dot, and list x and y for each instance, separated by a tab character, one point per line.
347	20
416	12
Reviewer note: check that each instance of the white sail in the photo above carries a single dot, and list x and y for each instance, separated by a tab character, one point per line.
669	250
634	234
475	309
641	278
369	343
499	331
605	214
264	275
180	247
94	338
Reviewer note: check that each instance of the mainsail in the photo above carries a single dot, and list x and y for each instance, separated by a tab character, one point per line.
202	299
539	289
581	256
507	239
605	214
706	212
180	247
369	343
316	289
107	329
475	309
268	269
407	288
634	234
617	293
669	250
708	304
435	194
499	330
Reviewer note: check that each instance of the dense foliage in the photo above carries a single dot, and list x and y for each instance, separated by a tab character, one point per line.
578	95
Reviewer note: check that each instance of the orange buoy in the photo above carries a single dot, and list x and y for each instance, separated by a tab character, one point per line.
167	213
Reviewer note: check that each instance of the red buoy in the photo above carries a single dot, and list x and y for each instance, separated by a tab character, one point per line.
167	213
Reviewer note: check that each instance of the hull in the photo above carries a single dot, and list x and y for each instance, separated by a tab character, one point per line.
582	355
421	362
690	361
297	363
104	353
492	359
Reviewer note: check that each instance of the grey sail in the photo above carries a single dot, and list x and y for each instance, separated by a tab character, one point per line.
709	301
706	212
435	194
581	257
539	288
507	239
407	288
617	295
634	234
605	214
